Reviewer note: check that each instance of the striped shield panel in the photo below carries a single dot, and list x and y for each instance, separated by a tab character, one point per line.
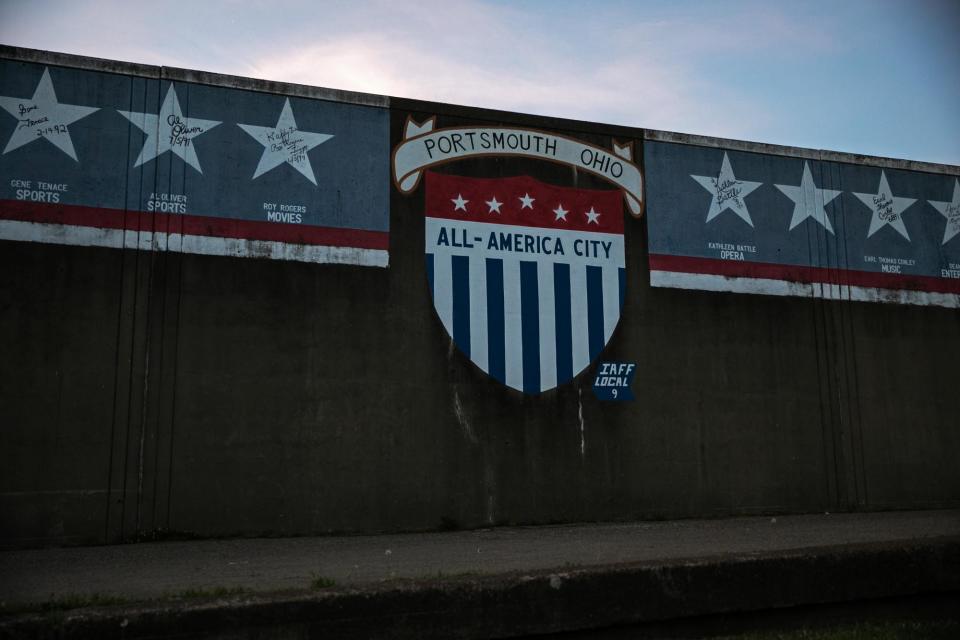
528	278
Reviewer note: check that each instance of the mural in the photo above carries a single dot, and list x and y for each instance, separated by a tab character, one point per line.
723	220
526	277
120	161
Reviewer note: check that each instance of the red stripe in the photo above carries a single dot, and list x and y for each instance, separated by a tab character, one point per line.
443	189
74	215
792	273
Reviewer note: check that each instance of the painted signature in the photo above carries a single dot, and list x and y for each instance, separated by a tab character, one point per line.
728	190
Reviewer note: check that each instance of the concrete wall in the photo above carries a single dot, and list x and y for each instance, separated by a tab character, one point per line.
145	391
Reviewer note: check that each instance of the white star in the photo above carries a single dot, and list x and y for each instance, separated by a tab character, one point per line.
459	203
886	207
561	213
526	202
592	216
169	131
950	211
727	192
43	117
285	143
494	205
809	201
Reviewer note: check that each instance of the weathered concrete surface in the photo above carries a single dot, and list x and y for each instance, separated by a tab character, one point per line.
534	603
524	581
147	391
149	570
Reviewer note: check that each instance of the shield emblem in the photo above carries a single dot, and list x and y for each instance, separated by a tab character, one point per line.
527	277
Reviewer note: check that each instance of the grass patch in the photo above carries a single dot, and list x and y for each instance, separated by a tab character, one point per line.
65	603
318	582
892	630
80	601
208	592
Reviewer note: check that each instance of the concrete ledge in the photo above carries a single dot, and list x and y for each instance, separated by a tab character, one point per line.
547	601
800	152
272	86
475	114
41	56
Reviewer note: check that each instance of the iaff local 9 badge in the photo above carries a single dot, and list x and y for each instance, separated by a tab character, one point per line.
613	381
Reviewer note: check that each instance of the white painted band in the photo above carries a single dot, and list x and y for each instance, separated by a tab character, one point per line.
771	287
204	245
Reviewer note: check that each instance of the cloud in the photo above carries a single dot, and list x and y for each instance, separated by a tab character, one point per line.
607	65
748	69
498	60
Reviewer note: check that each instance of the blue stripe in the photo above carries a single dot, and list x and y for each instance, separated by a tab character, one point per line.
496	356
561	298
430	272
623	285
530	326
461	303
595	310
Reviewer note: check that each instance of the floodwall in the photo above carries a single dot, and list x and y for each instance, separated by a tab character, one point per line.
236	307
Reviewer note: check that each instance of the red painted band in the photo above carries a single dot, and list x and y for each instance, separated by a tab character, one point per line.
523	201
74	215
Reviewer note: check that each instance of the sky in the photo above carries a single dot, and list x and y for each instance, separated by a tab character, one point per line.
877	77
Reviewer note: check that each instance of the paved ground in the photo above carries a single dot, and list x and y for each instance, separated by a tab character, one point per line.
140	571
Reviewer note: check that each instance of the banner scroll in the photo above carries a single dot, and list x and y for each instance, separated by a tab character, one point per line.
424	147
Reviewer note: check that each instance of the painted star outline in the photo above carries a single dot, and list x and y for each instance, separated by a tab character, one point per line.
169	130
285	143
951	211
887	208
43	116
727	192
808	200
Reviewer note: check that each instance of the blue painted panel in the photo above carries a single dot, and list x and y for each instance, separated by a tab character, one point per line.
737	221
306	179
